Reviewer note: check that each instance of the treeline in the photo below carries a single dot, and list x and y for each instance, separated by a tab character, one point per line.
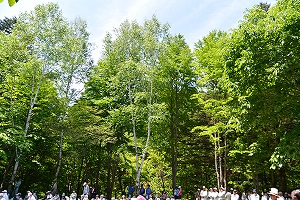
152	110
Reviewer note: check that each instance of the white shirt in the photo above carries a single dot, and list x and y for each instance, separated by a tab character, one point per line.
254	197
203	194
235	197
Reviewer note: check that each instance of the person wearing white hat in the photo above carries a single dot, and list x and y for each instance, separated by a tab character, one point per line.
203	193
214	194
273	193
221	194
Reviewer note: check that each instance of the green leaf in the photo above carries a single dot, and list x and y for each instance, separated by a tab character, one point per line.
11	2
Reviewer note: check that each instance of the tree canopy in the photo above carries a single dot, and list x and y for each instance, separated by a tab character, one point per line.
153	110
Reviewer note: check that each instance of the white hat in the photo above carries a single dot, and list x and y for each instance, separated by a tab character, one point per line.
273	191
4	191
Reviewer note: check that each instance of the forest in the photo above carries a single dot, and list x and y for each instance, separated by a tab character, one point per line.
153	109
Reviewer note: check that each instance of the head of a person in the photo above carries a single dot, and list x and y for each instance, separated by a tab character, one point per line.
254	191
273	193
296	196
234	191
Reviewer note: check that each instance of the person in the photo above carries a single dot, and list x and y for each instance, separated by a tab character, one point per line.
228	194
102	197
64	197
30	196
296	196
5	195
140	197
287	196
16	188
203	193
142	190
56	197
273	194
254	195
222	194
19	196
264	196
130	191
214	194
86	189
244	196
85	197
197	195
235	195
179	192
164	195
73	195
1	196
176	191
48	195
148	192
280	196
93	192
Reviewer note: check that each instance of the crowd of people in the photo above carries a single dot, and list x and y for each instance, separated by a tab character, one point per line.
233	194
147	194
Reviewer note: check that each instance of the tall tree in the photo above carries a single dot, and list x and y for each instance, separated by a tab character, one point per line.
177	79
48	35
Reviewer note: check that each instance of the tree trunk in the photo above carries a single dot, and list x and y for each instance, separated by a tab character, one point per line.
109	165
220	165
59	161
174	127
282	179
225	164
79	175
32	104
216	160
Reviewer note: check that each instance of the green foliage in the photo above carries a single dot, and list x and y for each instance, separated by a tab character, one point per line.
234	99
10	2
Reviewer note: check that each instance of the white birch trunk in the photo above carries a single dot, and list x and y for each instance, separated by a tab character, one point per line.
32	103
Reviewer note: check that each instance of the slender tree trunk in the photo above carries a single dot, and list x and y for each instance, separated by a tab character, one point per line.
32	104
225	164
62	132
99	167
148	132
79	174
59	161
220	164
174	108
113	176
137	180
109	173
216	160
282	179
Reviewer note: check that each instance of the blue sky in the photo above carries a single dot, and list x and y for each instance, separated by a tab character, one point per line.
191	18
